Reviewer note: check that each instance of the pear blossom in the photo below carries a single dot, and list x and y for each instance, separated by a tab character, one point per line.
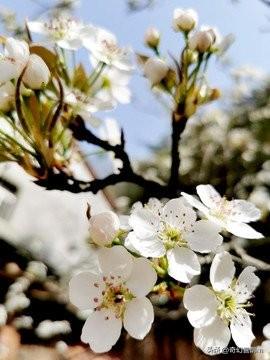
152	37
7	96
201	41
220	43
173	231
64	31
104	227
85	105
219	312
117	297
103	47
155	69
16	58
112	87
184	20
232	215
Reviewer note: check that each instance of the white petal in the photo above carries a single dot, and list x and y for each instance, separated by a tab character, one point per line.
144	222
195	203
247	282
204	237
183	264
148	247
17	50
177	214
222	271
243	230
202	317
122	94
37	27
244	211
138	317
8	70
115	261
241	329
198	297
37	73
213	338
208	195
143	277
85	290
266	331
70	44
101	330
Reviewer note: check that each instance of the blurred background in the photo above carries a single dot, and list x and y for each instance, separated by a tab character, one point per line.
44	234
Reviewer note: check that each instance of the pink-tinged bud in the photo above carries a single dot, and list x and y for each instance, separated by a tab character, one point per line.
104	228
201	41
152	37
184	20
155	70
37	73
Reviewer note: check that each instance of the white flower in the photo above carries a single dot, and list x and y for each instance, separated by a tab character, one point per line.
17	57
173	232
155	70
48	329
7	96
85	105
201	41
116	296
231	215
104	228
266	343
114	87
103	47
152	37
64	31
220	44
184	20
219	312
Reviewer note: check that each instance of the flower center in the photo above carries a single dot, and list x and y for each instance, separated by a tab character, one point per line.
59	28
171	237
222	210
115	297
227	305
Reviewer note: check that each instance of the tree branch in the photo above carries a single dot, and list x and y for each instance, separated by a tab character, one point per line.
62	181
248	259
178	126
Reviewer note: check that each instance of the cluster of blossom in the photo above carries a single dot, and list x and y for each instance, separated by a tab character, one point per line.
166	242
40	73
205	41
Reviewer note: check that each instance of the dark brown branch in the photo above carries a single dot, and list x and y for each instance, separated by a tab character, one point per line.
63	181
178	126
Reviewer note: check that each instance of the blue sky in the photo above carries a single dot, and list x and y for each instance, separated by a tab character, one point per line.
144	120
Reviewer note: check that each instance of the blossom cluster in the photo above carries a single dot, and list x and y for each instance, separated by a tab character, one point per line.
164	243
44	88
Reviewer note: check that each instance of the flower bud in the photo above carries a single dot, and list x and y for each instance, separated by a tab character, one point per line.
201	41
152	37
104	228
7	96
37	73
155	70
184	20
